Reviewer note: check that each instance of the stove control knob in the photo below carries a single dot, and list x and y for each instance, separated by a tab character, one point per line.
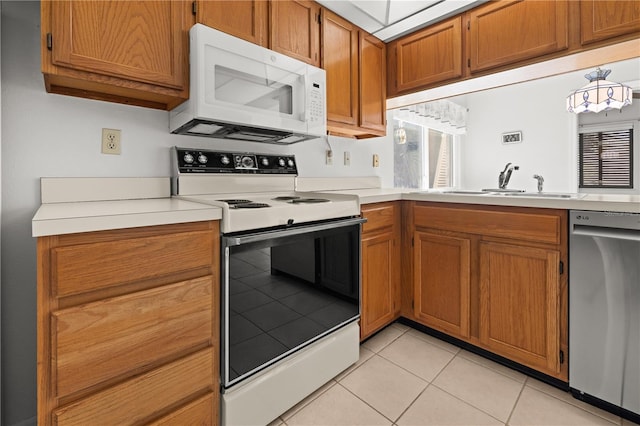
265	161
188	158
225	160
202	159
281	162
247	162
290	162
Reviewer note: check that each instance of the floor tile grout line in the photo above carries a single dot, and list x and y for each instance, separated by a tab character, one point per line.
493	369
365	402
513	409
310	401
618	423
467	403
412	402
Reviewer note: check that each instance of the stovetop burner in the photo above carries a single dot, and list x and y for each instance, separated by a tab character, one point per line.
250	205
235	202
285	198
309	200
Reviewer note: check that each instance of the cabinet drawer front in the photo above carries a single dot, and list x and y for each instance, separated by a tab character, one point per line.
534	227
141	398
106	339
199	412
378	217
81	268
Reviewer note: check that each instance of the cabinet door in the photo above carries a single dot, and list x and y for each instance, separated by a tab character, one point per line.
442	268
504	32
600	20
519	304
294	27
379	280
373	93
139	41
340	61
429	56
246	19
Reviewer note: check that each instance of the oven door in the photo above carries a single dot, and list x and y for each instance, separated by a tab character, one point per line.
285	289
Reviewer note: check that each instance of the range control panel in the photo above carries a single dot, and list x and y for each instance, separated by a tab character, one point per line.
205	161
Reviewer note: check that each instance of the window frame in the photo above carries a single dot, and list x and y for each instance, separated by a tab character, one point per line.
600	129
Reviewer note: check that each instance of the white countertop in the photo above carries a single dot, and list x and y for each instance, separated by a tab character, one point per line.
599	202
71	205
68	218
63	215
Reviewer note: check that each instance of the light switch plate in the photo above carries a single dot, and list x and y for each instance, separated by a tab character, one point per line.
347	158
376	160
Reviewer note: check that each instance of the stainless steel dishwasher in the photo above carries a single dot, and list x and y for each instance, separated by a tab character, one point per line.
604	310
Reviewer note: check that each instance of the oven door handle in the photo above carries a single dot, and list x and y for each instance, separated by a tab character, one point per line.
251	238
615	233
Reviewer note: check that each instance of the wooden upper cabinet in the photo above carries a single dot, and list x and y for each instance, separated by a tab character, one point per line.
373	88
428	56
129	52
504	32
246	19
340	61
294	28
600	20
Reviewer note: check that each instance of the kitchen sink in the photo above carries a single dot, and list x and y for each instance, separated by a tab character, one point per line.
463	192
503	191
545	195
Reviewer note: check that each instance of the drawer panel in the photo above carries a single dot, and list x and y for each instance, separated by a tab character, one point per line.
142	397
378	216
86	267
106	339
198	412
534	227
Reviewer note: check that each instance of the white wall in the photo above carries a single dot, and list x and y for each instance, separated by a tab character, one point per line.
536	108
52	135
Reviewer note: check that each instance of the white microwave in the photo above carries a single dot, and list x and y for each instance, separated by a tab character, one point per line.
239	90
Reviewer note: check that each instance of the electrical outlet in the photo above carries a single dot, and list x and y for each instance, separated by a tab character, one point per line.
111	141
347	158
376	160
329	157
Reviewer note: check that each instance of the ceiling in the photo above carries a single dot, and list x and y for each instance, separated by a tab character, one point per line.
389	19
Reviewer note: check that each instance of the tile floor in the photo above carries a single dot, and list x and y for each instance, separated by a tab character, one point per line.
405	377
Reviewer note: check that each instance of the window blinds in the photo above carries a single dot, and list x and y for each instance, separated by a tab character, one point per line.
606	157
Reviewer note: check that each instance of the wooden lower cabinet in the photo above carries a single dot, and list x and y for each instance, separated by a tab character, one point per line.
519	303
494	277
442	281
128	326
380	267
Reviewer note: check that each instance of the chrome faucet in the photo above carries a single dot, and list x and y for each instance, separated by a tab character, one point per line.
540	182
505	175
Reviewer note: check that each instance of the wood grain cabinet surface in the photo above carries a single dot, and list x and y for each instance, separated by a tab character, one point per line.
380	267
128	326
294	28
503	32
602	20
119	51
494	277
426	57
245	19
355	63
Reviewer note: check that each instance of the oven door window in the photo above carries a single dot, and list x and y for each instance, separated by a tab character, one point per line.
284	293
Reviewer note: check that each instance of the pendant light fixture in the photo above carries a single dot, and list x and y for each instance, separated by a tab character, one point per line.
599	94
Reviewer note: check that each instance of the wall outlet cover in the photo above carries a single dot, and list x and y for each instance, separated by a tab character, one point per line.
111	141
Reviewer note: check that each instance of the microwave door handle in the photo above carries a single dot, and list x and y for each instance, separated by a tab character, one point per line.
262	236
615	233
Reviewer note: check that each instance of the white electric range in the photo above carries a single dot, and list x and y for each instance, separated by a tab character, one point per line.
290	279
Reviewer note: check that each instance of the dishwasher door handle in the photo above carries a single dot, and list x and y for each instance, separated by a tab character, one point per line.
615	233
